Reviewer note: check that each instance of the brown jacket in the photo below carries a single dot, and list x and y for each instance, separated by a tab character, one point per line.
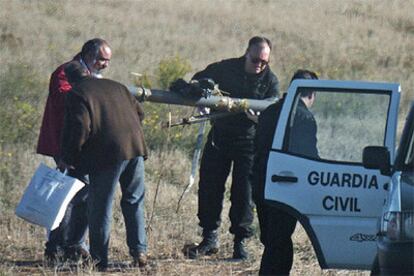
102	125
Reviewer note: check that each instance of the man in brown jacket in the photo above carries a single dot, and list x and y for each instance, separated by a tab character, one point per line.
103	136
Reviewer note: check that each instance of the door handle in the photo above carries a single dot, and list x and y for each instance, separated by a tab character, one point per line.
280	178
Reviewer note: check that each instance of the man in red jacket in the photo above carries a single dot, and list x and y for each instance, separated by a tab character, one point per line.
94	57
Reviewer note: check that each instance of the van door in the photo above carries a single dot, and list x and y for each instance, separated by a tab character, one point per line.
335	198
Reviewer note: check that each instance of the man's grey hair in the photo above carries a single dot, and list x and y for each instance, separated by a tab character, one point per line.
91	47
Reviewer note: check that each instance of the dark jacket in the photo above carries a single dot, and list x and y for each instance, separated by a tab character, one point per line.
102	125
301	140
229	74
266	128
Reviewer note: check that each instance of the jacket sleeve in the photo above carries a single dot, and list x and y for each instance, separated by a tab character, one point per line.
140	110
137	105
273	90
212	71
58	82
76	128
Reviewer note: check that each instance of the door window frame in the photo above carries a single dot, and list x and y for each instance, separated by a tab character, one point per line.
280	139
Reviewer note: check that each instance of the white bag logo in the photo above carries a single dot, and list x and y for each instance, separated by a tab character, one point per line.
50	182
47	196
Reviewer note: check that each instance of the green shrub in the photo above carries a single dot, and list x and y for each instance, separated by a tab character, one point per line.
181	137
10	176
20	114
144	80
18	122
171	69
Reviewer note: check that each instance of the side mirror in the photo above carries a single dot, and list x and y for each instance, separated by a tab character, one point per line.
375	157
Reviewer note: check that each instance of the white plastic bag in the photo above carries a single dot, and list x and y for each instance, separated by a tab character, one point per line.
47	196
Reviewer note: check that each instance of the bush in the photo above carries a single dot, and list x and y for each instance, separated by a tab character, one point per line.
20	87
20	114
171	69
168	70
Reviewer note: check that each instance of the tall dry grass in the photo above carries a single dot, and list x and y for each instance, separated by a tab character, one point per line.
364	40
370	40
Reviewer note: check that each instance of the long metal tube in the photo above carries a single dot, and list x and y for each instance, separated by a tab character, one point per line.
217	102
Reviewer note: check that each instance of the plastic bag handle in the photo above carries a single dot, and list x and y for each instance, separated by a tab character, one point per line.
65	172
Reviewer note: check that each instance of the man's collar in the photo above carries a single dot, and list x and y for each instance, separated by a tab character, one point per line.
95	75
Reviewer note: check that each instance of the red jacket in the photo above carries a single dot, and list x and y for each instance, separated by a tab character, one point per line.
52	124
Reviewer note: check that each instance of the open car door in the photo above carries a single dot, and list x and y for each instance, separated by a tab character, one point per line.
335	198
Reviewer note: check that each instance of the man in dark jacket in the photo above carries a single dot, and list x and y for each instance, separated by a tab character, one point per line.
94	57
276	226
231	142
103	137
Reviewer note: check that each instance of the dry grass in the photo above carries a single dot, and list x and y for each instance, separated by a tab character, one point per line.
364	40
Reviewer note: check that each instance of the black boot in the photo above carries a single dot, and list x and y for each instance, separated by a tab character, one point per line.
207	247
51	257
239	249
76	253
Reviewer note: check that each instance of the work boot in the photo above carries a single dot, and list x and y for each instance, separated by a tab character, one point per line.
208	246
101	267
139	258
239	249
77	254
51	257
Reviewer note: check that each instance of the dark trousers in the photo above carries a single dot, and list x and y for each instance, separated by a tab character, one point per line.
276	229
218	157
72	229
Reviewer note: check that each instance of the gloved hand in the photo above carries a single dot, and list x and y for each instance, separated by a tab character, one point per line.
180	86
186	89
195	88
203	87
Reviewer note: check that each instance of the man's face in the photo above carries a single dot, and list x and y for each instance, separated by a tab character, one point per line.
312	98
101	61
257	58
309	100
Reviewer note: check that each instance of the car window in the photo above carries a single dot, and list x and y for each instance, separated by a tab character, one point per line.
346	123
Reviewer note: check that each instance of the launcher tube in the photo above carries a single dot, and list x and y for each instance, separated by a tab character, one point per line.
223	103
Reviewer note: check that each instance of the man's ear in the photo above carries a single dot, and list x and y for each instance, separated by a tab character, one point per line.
88	57
312	95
